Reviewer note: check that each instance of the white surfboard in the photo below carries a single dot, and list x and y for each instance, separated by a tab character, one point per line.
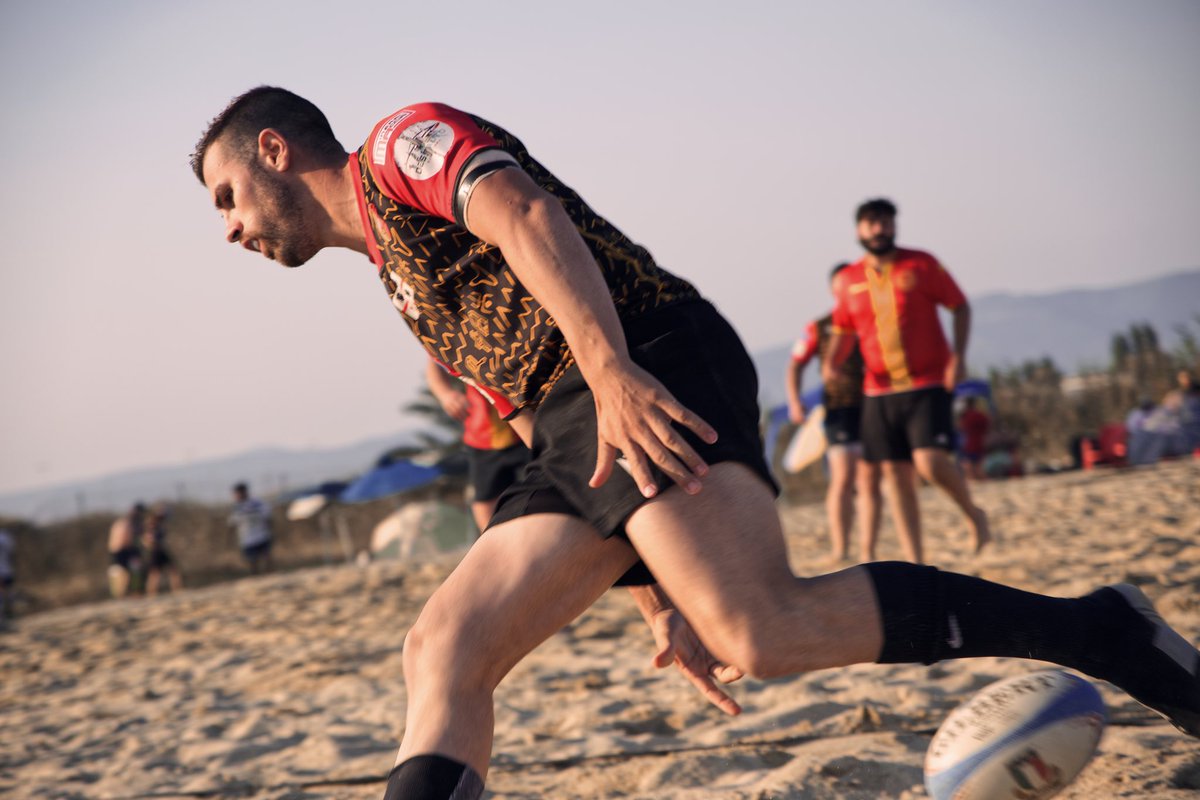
808	443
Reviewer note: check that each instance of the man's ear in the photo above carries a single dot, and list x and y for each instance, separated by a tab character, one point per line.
273	149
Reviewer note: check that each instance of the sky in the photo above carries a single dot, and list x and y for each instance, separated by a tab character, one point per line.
1031	146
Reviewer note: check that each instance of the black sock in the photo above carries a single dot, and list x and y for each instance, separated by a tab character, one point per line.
929	615
430	777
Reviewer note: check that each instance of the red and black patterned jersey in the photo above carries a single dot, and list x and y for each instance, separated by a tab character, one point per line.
456	292
846	390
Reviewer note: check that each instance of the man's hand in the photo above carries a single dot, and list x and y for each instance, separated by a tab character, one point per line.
454	404
954	373
444	389
634	413
677	644
796	413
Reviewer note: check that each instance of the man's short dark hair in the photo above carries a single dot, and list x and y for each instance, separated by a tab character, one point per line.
875	207
241	488
247	115
838	268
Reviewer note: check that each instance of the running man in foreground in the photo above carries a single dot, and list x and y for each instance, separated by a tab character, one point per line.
506	275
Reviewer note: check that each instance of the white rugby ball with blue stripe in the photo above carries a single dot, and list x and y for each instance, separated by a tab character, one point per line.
1024	738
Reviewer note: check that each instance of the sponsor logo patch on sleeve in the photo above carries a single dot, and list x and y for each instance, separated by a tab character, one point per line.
420	149
379	146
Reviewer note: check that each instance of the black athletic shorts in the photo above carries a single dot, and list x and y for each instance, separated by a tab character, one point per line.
893	425
842	425
492	471
158	558
129	558
256	551
700	359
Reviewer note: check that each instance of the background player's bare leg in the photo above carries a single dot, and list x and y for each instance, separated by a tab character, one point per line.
839	499
934	465
868	499
900	478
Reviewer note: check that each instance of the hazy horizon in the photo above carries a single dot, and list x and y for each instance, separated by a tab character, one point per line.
1032	148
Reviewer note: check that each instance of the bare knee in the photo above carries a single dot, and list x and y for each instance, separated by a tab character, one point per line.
751	639
441	649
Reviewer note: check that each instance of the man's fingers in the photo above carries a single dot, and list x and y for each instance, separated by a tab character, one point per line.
661	630
673	440
726	673
606	456
663	458
713	693
688	419
639	470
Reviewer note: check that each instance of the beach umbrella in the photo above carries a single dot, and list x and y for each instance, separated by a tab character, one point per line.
974	387
307	503
387	478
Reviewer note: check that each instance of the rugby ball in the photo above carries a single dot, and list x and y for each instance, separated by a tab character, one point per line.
1024	738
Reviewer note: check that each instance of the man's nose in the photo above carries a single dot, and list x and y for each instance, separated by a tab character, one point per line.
233	230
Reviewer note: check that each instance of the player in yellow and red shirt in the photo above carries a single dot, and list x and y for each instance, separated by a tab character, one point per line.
507	276
495	454
888	302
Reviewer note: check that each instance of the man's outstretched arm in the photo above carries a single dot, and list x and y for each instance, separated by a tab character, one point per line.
634	411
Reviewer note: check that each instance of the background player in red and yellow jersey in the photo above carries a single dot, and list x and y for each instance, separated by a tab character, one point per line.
888	302
495	455
850	477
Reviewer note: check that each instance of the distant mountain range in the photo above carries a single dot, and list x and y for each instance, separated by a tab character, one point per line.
1074	328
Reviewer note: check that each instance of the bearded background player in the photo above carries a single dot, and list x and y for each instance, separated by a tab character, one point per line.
887	303
507	276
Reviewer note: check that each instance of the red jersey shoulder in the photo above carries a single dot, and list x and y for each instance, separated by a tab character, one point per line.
934	279
805	347
418	152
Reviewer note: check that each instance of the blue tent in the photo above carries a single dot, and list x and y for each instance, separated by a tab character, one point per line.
388	477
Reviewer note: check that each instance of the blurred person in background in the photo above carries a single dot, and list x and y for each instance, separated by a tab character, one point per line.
8	547
158	559
850	476
125	567
251	518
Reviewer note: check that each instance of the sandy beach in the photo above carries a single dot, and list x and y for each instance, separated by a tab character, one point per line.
289	685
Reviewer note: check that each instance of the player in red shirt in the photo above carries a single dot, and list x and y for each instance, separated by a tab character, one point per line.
887	303
850	477
495	455
507	276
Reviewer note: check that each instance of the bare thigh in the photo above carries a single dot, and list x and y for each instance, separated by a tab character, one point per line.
721	557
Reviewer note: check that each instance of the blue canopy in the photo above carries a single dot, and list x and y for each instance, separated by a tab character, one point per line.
389	477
